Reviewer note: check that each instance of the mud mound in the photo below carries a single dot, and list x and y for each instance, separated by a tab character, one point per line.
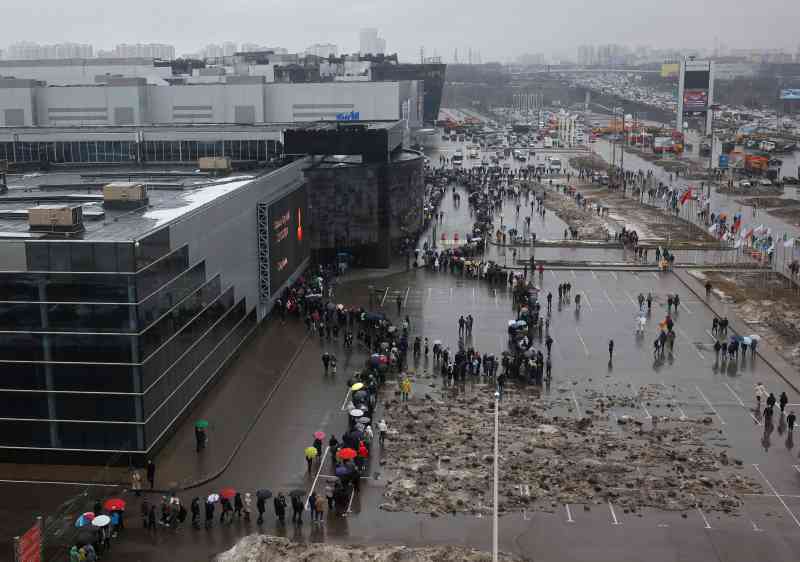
550	454
263	548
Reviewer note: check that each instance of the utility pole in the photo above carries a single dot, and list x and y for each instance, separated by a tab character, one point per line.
495	530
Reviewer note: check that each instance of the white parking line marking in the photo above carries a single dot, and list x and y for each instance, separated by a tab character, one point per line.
405	300
630	298
780	499
385	294
646	413
346	398
686	308
569	514
586	298
710	405
755	527
703	515
572	271
577	406
609	300
712	336
580	337
742	404
613	515
654	274
594	275
688	341
614	275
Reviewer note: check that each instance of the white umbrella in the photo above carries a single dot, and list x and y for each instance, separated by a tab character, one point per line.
101	521
755	337
213	498
356	413
747	341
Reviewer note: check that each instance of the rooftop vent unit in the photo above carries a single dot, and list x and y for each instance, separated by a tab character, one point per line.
216	165
56	219
125	195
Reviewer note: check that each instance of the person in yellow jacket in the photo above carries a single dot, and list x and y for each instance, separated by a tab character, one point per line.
405	388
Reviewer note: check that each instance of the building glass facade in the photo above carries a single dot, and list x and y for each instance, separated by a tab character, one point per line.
103	345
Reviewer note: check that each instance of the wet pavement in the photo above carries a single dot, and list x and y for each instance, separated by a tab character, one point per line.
305	400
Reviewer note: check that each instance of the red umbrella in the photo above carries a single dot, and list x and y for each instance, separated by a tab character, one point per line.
114	504
227	493
319	435
347	454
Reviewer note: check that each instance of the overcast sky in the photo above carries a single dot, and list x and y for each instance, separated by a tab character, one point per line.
499	29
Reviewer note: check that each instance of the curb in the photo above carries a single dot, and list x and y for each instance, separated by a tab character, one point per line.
766	360
216	474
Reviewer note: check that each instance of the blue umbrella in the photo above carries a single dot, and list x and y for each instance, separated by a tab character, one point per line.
342	470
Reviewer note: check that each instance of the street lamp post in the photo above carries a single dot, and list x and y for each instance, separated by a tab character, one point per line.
496	476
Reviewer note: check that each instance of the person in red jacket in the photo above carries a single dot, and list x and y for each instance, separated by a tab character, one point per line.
363	455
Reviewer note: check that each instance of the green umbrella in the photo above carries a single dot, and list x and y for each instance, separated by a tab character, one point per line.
201	424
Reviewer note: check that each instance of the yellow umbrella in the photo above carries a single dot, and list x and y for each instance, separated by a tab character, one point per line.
311	452
357	386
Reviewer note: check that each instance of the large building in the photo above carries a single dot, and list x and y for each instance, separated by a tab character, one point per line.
370	43
120	305
238	100
26	50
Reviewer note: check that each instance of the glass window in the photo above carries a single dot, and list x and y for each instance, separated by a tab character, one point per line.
86	377
97	436
25	434
20	316
93	348
160	273
105	257
90	318
178	317
161	360
19	405
166	297
21	346
87	287
59	256
153	247
82	257
94	407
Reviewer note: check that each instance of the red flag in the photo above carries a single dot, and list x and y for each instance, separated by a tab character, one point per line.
686	196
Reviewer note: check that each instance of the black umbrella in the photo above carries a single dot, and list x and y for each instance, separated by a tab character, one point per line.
263	494
297	493
86	535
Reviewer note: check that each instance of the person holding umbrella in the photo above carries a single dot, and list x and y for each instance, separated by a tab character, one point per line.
318	437
210	501
310	454
297	510
280	507
151	473
261	507
200	428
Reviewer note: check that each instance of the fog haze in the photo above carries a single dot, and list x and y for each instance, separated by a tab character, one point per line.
500	30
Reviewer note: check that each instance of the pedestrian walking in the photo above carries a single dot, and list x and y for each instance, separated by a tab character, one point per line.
783	400
549	302
200	438
279	503
405	389
382	429
310	454
151	473
261	507
329	495
136	481
790	419
610	350
320	508
209	513
238	505
297	509
195	508
548	342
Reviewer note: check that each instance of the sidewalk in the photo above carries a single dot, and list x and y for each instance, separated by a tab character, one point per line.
738	326
231	406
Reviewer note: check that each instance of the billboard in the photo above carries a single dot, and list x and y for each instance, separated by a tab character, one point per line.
670	69
695	100
288	239
697	79
662	142
724	161
790	94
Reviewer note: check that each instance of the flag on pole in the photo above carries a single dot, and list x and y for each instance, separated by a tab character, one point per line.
686	196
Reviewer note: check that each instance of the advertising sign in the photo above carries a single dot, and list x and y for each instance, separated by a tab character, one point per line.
662	142
695	100
349	116
723	161
670	69
288	239
790	94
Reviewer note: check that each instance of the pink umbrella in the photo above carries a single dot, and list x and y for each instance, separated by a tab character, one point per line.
319	435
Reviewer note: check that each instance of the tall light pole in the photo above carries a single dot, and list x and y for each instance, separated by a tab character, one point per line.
496	478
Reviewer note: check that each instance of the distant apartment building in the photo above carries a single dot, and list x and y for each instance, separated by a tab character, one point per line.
142	51
586	55
370	42
26	50
322	50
